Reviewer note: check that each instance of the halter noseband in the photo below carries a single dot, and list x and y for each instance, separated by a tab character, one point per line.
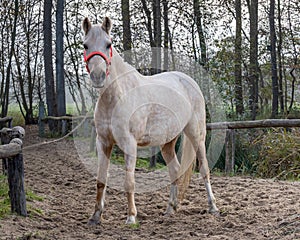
101	54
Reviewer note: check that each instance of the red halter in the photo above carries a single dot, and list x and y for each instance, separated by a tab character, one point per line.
101	54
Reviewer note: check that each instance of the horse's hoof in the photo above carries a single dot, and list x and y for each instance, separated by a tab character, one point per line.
130	220
93	222
214	211
170	211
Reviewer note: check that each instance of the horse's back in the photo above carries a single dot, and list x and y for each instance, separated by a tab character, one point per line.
182	83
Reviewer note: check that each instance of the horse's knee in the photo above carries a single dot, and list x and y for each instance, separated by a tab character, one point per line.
129	184
174	167
101	187
100	190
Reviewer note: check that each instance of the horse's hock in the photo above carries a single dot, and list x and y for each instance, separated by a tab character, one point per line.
13	167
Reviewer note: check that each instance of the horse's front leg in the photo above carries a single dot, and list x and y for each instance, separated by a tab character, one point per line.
129	184
104	152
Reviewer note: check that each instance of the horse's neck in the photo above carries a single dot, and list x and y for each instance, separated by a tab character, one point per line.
119	68
122	77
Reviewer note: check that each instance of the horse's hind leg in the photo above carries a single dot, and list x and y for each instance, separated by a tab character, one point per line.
104	152
204	171
196	132
169	155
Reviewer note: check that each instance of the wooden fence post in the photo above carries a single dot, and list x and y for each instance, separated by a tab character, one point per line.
12	151
230	150
5	134
64	127
41	117
93	139
16	182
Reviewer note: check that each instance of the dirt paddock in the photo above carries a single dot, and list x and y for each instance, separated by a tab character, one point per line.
250	208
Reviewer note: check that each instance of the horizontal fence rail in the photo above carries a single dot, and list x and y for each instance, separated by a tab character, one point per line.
230	128
267	123
5	120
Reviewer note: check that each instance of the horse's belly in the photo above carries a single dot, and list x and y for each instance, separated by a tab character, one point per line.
160	125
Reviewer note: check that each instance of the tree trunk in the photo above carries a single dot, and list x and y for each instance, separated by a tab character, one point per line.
60	80
279	54
238	60
166	35
273	60
148	23
48	65
198	20
5	97
156	53
295	58
126	31
253	68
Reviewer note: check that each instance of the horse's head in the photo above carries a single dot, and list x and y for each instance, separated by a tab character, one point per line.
98	50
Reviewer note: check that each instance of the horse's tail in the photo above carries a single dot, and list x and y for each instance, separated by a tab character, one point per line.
188	160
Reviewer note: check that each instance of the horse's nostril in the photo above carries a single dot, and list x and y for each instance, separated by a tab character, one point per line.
103	75
97	75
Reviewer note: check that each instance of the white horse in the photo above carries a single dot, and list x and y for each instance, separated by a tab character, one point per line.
135	110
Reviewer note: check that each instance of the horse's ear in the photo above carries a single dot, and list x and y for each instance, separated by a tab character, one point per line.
86	25
106	25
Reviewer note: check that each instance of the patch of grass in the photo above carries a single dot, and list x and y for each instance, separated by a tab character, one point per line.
31	196
140	162
279	155
14	111
218	172
133	226
32	211
4	198
5	201
136	225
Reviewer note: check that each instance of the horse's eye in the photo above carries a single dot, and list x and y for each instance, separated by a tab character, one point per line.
109	46
85	46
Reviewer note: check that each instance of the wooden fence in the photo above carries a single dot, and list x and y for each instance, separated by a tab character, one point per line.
6	120
231	127
13	166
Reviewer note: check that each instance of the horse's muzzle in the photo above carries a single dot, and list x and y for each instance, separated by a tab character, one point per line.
98	79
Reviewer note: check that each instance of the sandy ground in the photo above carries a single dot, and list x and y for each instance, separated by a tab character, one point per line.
250	208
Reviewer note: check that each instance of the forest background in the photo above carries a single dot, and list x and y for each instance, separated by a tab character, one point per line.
250	49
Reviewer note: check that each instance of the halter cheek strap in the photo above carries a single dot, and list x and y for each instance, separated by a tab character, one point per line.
101	54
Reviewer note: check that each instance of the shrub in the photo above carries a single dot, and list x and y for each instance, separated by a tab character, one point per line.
279	154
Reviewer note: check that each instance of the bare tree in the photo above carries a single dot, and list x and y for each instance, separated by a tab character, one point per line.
48	65
126	30
279	54
238	60
294	56
27	59
166	34
273	59
198	20
6	86
60	80
253	66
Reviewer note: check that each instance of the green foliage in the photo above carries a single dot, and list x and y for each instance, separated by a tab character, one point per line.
133	226
14	111
246	154
279	154
4	199
140	162
31	196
